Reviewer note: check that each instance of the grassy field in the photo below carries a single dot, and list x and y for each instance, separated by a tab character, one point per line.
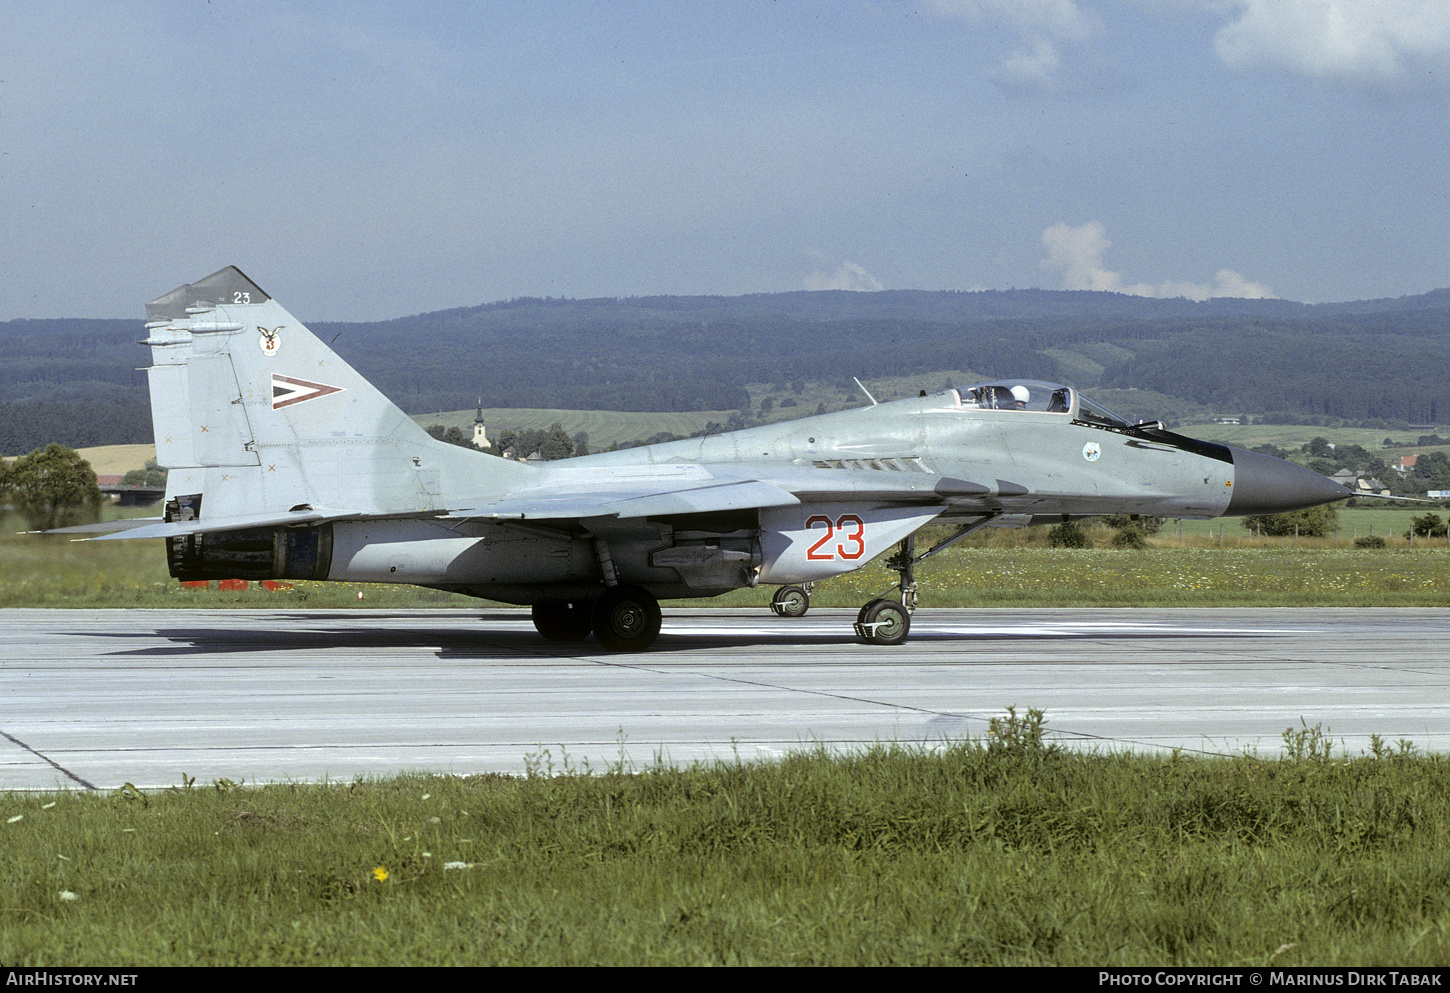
996	568
1004	852
118	459
605	427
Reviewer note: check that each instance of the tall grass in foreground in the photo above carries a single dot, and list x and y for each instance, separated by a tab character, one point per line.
1006	852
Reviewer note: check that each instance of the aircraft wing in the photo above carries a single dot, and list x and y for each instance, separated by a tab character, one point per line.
629	492
562	494
625	492
659	490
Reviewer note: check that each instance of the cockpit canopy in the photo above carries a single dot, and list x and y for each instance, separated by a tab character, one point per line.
1039	396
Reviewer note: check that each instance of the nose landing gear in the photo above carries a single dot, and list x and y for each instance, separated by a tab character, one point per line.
883	622
887	622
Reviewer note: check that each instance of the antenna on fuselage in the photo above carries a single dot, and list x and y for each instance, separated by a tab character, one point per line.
865	391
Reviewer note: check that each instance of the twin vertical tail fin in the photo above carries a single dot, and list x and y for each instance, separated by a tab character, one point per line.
255	416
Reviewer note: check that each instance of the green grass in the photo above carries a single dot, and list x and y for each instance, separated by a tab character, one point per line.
1017	569
1155	578
1000	853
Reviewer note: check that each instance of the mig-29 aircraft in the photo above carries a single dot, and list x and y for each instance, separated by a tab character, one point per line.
284	463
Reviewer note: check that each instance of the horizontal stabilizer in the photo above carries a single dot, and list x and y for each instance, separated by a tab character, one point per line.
100	527
178	529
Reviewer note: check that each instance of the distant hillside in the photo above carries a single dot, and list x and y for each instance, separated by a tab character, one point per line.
601	428
1370	362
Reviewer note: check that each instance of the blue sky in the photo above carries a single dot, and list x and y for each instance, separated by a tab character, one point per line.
369	160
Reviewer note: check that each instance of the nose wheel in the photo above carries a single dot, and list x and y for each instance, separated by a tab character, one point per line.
883	622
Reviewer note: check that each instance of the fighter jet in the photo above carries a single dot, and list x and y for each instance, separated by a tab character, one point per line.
286	464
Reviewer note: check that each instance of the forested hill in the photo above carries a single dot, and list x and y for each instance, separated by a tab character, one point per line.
74	381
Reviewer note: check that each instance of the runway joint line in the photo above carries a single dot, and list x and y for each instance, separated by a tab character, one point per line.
49	761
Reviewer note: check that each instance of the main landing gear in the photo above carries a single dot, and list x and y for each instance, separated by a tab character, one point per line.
625	618
558	620
792	601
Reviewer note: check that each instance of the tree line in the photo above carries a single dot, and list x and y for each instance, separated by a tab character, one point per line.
1373	362
550	443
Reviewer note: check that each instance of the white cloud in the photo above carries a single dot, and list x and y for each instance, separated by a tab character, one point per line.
1228	283
849	276
1357	41
1046	28
1078	252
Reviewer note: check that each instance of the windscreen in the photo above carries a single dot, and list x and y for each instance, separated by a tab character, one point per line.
1041	397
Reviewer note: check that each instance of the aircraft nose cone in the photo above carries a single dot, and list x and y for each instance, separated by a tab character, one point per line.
1266	485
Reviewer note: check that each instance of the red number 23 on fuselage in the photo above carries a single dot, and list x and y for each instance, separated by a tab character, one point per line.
848	528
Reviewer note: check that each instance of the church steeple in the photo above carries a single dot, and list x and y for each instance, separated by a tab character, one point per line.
480	439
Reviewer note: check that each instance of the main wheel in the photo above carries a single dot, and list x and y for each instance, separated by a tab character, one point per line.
558	620
791	601
883	622
626	619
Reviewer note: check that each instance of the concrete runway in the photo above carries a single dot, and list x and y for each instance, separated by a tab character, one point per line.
94	699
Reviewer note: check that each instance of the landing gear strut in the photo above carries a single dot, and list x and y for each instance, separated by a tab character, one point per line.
904	562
